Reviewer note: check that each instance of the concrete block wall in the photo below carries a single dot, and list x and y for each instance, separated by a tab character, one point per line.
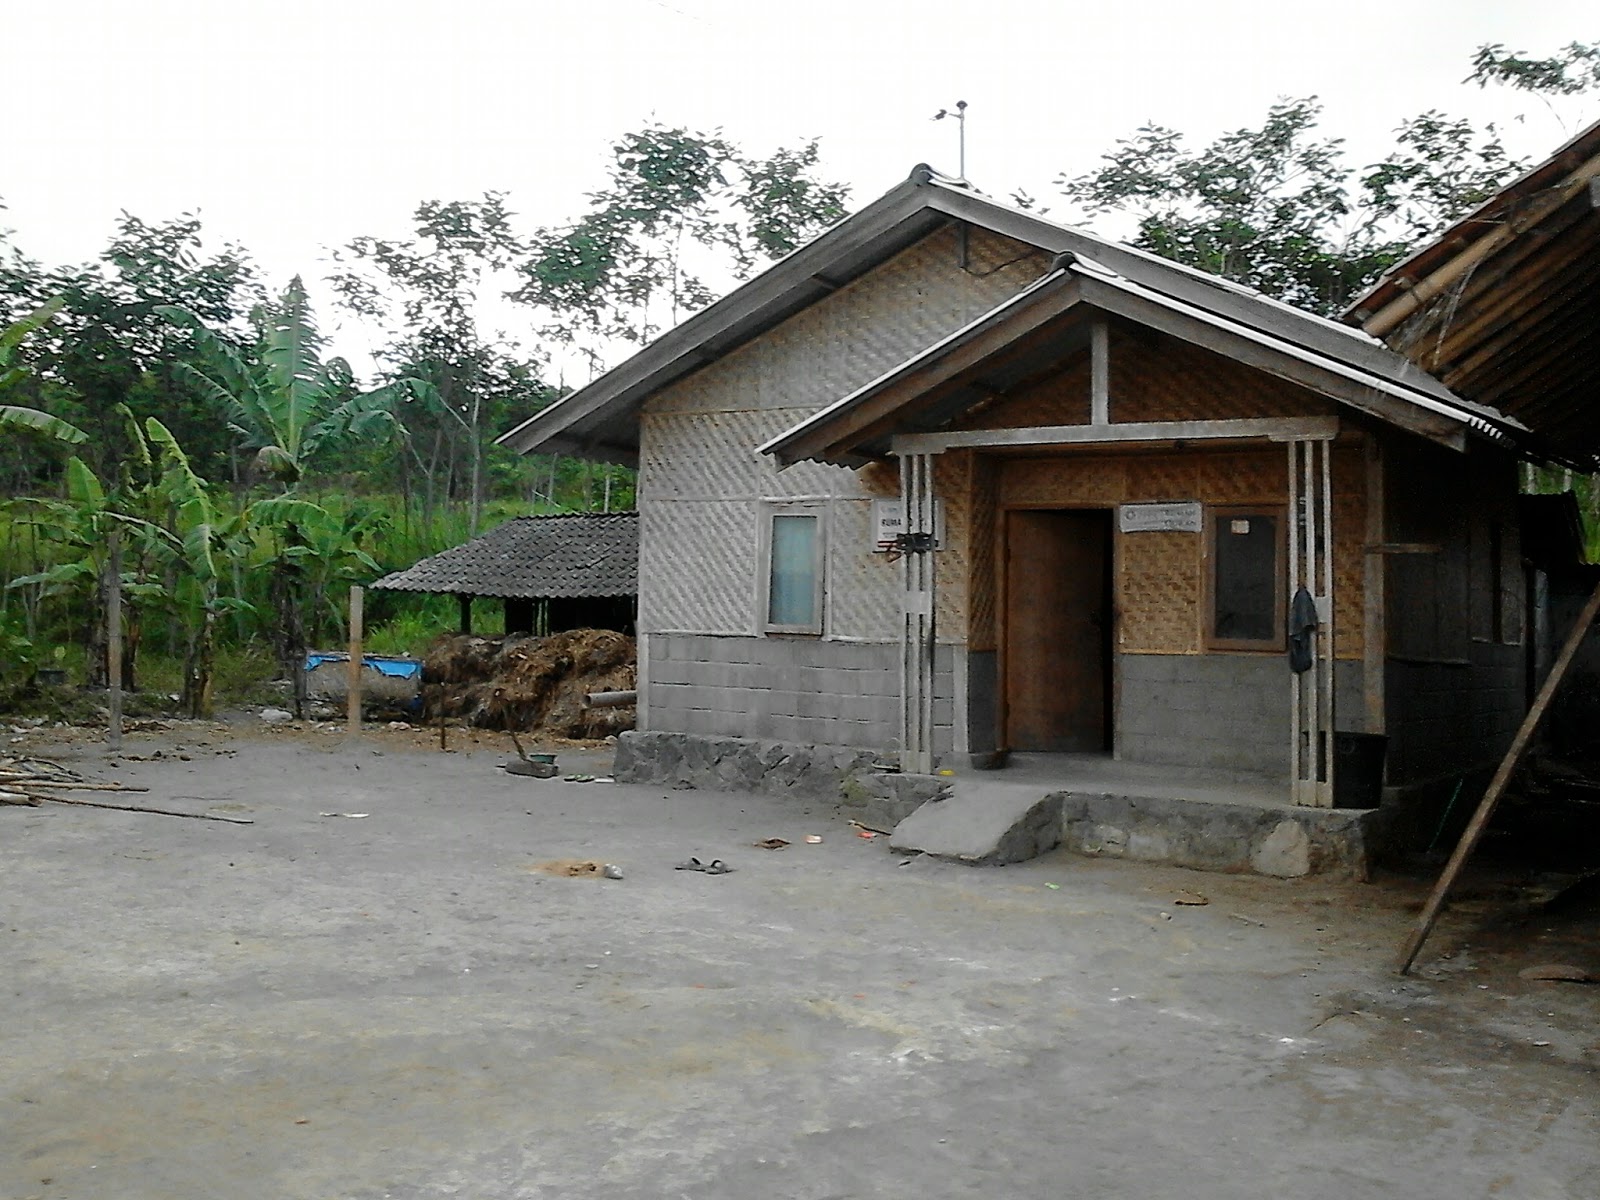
799	690
1225	712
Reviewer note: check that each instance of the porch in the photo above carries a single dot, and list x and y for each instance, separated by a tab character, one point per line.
1180	816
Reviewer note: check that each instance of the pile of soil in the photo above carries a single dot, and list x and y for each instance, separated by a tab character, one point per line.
531	684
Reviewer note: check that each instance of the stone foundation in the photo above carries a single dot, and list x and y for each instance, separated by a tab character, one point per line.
986	820
1285	842
732	764
885	798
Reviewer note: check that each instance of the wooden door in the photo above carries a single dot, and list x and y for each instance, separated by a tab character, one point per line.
1057	630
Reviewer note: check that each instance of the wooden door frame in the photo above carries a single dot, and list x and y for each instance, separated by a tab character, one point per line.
1113	663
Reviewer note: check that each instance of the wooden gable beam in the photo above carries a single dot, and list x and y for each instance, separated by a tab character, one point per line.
1335	386
1276	429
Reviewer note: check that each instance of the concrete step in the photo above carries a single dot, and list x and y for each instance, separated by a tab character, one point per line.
983	824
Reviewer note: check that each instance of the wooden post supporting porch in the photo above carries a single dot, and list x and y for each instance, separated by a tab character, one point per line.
917	631
1311	567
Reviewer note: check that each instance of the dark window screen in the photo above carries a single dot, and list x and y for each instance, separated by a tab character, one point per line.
1246	585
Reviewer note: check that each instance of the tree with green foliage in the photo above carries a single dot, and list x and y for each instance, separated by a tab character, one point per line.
278	395
206	542
12	374
1278	208
109	345
79	525
427	290
1570	70
291	407
678	204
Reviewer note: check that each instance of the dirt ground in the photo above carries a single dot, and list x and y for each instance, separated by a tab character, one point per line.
400	1004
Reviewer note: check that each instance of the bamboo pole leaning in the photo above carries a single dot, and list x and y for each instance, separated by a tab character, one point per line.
1497	786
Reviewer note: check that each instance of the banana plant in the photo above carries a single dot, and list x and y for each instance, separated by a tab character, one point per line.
206	540
79	526
279	395
13	416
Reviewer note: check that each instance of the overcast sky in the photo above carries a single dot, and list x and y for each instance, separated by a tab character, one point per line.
297	124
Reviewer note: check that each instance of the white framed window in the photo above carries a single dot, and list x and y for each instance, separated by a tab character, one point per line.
793	568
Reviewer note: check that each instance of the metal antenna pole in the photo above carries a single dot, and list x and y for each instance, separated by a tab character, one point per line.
960	115
961	134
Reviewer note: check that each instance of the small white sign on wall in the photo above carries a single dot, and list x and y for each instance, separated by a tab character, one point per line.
888	523
1182	517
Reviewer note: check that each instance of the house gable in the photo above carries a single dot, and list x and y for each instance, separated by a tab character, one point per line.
600	421
702	483
1030	335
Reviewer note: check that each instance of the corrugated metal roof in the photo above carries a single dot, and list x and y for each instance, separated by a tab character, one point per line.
531	558
838	434
1502	307
600	420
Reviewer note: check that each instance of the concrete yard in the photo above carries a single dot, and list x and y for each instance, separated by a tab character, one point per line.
399	1005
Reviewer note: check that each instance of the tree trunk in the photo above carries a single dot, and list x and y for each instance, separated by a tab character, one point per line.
289	595
96	668
198	667
133	634
477	466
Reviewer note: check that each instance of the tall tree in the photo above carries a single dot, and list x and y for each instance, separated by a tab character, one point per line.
290	406
1278	207
110	346
428	291
679	208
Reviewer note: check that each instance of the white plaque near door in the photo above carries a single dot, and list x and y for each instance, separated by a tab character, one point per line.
888	522
1181	517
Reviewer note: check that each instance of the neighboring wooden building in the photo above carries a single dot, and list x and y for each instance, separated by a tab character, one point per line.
955	480
567	571
1504	308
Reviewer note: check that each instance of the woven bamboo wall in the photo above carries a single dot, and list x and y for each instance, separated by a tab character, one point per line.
982	563
1159	378
864	589
952	483
1062	399
1160	577
719	595
701	480
851	337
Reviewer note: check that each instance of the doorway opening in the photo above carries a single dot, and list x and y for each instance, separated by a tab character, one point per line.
1057	629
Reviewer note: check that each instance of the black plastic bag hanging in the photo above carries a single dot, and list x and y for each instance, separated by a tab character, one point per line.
1302	628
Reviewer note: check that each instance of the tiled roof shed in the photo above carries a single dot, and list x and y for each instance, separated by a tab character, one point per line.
566	556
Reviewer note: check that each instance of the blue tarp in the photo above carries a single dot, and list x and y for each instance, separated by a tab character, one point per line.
395	668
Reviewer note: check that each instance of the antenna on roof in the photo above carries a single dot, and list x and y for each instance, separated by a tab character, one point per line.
960	115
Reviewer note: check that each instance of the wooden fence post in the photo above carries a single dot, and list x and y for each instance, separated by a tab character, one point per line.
114	638
353	697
